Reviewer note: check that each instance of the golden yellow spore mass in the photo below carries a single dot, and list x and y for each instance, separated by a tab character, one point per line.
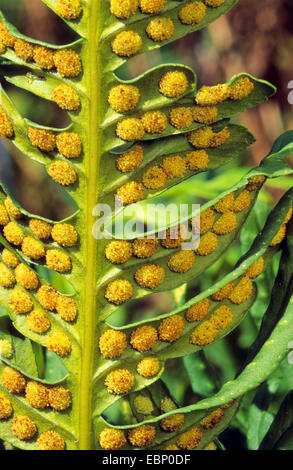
66	308
207	138
68	63
26	277
9	258
24	50
6	37
148	367
14	233
174	167
13	380
190	439
6	126
23	428
130	192
280	235
50	440
210	96
59	398
65	235
69	9
123	9
69	144
171	328
241	88
174	237
198	311
221	317
192	13
43	139
66	98
226	223
224	292
40	228
48	297
150	276
58	261
144	247
119	291
12	209
130	160
119	381
154	178
204	334
142	436
242	291
44	57
256	268
210	421
172	423
127	43
204	114
112	343
173	84
32	248
144	338
130	129
59	343
20	302
160	29
118	251
181	117
4	217
37	395
62	173
182	261
123	98
197	160
112	439
154	122
6	409
151	6
38	322
7	278
208	244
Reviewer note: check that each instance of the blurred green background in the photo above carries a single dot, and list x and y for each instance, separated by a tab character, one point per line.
255	37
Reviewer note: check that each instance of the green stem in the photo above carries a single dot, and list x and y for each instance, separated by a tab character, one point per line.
92	170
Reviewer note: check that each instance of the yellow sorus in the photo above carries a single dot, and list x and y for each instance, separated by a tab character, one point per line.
50	440
23	428
150	276
154	178
174	237
288	216
212	445
174	167
69	144
148	367
112	343
26	277
171	328
66	308
38	322
182	261
151	6
206	137
64	234
143	338
224	292
123	98
6	37
68	63
207	218
173	84
181	117
4	218
7	279
198	311
210	96
143	405
126	43
221	317
142	436
48	297
172	447
225	204
118	251
210	421
59	398
24	50
242	201
192	13
225	224
190	439
119	381
43	139
6	409
256	268
204	114
130	192
59	343
32	248
198	160
44	57
130	160
255	183
242	291
9	258
37	395
62	173
58	261
154	122
278	238
130	129
2	47
204	334
123	9
40	228
160	29
214	3
144	247
66	98
172	423
208	244
6	126
6	349
14	233
12	209
20	302
112	439
69	9
241	88
167	405
119	291
13	380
